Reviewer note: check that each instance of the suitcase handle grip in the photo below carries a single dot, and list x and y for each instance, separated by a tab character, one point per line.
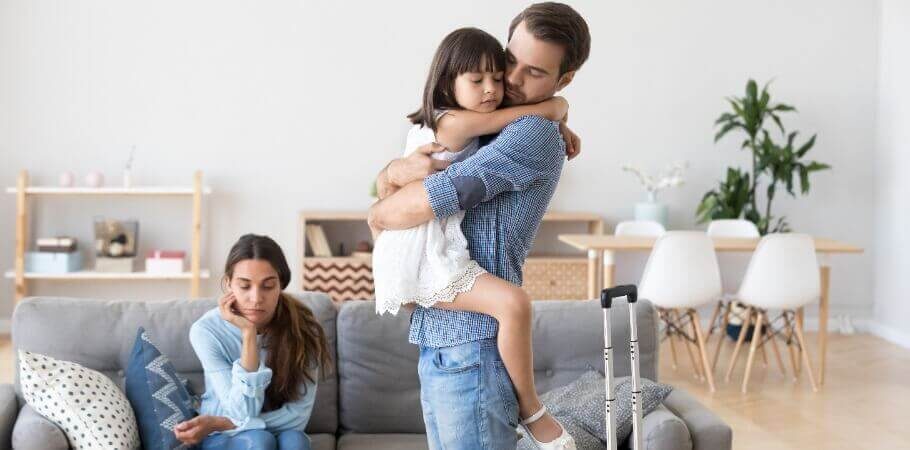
630	291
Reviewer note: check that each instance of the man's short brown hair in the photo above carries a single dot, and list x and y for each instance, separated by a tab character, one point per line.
560	24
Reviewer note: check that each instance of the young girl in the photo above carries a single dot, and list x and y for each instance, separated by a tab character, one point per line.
261	352
429	265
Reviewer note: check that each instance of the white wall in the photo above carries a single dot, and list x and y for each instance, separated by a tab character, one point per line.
892	260
289	105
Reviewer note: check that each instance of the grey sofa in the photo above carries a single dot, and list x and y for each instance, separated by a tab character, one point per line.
371	400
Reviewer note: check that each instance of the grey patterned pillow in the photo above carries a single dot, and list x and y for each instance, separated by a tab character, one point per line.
579	406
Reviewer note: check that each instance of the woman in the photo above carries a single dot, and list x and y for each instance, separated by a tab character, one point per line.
261	352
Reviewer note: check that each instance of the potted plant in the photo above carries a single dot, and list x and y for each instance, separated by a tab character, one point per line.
774	164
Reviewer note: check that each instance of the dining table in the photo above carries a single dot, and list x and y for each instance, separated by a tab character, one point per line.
602	248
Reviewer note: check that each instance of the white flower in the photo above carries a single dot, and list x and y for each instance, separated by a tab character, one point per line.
672	176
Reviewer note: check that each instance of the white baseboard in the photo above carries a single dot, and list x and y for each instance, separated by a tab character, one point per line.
889	333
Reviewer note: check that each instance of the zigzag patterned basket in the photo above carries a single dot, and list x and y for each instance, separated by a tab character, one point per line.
348	279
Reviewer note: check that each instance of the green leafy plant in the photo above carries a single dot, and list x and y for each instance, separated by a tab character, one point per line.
772	163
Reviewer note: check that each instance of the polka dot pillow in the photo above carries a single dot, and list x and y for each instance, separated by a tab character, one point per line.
87	405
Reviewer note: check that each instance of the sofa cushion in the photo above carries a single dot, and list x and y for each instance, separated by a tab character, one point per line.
377	370
48	325
159	399
322	441
32	430
378	367
90	408
390	441
664	430
582	403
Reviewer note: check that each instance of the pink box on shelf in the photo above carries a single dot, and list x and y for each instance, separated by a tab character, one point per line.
164	262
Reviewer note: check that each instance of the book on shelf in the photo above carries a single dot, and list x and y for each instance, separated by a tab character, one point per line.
56	244
315	235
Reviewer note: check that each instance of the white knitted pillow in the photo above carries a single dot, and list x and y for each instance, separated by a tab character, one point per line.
87	405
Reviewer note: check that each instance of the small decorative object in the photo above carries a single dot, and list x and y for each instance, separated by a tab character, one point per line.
363	249
94	179
62	244
115	265
116	238
777	164
127	171
164	262
66	179
652	210
53	262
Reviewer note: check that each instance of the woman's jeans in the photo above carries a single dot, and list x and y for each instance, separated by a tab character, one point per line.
467	397
258	440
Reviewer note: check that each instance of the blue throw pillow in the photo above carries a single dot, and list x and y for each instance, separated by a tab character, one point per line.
158	397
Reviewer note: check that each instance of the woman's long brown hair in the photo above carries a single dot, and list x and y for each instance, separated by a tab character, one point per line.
295	342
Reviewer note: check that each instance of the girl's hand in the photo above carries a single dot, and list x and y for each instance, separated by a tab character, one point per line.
557	108
573	142
226	304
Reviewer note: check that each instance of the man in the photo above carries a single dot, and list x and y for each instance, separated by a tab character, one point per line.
504	188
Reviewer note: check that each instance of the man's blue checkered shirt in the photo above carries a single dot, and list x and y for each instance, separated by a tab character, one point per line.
504	188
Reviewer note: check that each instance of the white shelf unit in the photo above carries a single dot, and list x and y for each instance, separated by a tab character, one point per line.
24	192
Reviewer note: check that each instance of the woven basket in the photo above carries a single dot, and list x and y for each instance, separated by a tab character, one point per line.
556	278
341	280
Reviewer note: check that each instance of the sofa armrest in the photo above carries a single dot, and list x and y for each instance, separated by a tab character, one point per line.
708	431
9	410
663	430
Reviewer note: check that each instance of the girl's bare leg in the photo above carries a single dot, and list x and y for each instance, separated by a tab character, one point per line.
511	307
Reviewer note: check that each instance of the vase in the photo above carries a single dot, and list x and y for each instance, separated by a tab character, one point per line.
651	211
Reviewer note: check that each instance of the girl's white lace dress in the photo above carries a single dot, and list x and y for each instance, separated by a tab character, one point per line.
426	264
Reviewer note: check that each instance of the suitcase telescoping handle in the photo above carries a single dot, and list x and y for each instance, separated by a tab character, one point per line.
630	291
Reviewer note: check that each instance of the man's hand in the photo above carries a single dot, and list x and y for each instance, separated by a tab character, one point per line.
573	142
417	165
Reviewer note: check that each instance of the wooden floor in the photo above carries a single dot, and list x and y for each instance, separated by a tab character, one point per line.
863	405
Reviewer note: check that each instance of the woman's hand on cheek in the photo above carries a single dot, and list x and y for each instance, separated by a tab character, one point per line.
227	305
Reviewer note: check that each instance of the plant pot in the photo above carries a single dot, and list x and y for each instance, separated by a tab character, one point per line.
651	211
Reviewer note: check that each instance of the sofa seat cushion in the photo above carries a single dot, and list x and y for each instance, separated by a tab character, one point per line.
32	430
383	441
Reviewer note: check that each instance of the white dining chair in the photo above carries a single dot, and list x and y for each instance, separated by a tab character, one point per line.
680	276
648	228
727	310
631	261
783	274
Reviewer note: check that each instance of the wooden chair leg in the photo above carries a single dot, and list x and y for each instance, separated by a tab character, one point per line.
806	361
700	340
689	350
764	355
671	336
756	340
723	335
714	315
800	315
791	342
739	343
773	338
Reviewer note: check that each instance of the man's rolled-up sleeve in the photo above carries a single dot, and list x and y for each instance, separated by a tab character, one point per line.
528	150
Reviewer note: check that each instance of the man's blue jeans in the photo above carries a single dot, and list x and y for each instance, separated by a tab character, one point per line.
467	397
